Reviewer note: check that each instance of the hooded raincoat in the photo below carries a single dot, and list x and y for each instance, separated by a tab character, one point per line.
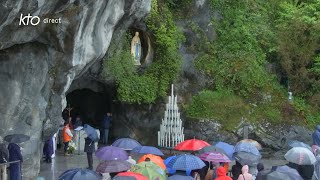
222	174
245	173
14	155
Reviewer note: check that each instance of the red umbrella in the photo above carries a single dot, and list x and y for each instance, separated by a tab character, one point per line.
191	145
133	174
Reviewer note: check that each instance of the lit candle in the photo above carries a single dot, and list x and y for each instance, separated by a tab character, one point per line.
159	138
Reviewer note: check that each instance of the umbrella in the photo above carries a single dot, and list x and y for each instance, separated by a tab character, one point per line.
137	176
124	178
292	173
253	142
246	147
229	149
166	162
16	138
300	155
147	150
111	153
186	162
276	175
126	143
245	158
113	166
91	133
180	177
191	145
149	169
153	158
211	149
79	174
214	157
295	143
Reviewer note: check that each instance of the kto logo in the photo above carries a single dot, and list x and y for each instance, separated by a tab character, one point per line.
25	20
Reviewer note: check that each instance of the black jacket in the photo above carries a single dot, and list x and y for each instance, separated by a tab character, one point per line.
89	145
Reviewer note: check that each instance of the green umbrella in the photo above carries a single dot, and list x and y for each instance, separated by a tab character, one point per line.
149	169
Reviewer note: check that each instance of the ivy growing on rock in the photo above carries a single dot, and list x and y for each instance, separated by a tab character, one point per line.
146	87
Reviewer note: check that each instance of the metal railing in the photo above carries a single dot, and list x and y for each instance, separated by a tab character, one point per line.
3	169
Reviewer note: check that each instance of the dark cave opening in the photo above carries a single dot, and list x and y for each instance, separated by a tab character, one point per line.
89	105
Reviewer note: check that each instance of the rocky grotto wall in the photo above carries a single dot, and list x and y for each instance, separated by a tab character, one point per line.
38	63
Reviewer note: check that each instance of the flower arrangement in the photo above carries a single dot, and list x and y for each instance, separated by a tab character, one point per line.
72	147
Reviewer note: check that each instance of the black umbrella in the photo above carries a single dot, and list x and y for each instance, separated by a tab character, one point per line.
245	158
16	138
79	174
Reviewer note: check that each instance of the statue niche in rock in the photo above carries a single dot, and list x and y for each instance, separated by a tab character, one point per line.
136	49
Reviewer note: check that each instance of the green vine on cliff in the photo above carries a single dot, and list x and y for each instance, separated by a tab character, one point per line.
146	87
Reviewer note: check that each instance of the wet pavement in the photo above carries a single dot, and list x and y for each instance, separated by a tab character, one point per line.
62	163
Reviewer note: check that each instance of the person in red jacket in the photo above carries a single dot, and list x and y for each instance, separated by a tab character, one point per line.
222	174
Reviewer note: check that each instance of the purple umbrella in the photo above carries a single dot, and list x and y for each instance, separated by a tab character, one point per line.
214	157
126	143
147	150
111	153
113	166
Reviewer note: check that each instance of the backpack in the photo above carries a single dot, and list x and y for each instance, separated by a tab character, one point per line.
4	153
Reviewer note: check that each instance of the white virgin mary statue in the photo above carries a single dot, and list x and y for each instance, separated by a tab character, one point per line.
136	49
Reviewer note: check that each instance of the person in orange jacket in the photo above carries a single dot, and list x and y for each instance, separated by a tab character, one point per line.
222	174
67	137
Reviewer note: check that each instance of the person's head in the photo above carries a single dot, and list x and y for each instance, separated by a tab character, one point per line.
66	123
137	33
147	159
221	171
70	119
260	167
318	127
245	169
78	118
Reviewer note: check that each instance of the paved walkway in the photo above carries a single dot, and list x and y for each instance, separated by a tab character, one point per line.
61	163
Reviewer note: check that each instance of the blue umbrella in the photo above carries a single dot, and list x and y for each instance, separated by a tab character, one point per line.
292	173
147	150
245	158
228	148
166	162
186	162
91	132
246	147
295	143
126	143
79	174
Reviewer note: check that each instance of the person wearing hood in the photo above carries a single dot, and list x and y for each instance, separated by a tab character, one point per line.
245	173
48	150
316	136
222	174
15	155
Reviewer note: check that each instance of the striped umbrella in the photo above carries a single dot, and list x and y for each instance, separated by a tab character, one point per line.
113	166
214	157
